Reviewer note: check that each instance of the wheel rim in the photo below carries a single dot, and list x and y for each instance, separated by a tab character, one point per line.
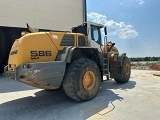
89	80
127	69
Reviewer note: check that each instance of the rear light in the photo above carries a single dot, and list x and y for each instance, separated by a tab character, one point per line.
11	67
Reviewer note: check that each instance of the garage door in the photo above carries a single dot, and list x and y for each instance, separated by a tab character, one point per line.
43	14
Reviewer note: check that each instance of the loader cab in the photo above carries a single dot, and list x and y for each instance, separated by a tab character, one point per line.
93	33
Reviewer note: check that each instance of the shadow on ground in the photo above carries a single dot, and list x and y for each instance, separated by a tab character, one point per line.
9	85
55	105
111	84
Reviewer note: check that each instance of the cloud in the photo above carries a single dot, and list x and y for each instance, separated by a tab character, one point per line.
120	30
140	2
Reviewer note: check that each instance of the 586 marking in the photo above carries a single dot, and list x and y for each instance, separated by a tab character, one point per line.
37	54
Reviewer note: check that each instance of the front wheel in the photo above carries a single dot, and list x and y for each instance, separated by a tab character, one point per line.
82	79
124	72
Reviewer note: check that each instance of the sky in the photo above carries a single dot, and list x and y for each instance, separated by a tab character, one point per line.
133	25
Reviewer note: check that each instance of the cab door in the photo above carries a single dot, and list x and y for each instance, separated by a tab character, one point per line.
94	37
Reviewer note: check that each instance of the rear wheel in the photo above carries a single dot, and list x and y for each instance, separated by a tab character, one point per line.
124	72
82	79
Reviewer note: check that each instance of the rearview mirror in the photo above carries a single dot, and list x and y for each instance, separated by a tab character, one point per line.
105	30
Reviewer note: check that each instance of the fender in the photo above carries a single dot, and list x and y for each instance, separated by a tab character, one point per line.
120	58
117	60
63	54
71	53
114	69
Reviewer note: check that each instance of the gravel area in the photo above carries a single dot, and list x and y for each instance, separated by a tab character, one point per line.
137	99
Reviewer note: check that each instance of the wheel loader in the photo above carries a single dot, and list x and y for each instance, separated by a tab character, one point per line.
75	61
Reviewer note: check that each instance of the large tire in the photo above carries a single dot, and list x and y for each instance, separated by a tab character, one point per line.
82	79
124	72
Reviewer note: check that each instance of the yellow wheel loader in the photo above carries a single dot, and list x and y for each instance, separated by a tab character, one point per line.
73	60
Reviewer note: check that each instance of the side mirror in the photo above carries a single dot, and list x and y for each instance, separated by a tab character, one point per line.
113	44
105	30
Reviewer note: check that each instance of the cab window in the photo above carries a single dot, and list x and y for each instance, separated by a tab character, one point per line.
96	34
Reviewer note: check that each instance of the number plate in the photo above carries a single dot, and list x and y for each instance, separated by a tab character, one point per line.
37	54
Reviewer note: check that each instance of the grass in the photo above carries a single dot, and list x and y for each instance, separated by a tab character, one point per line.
154	64
147	65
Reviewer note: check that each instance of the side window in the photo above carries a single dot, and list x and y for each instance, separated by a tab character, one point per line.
81	41
96	34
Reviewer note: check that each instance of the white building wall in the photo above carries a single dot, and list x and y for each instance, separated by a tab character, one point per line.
43	14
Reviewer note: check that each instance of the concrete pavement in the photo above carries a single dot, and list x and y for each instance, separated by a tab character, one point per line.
136	100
